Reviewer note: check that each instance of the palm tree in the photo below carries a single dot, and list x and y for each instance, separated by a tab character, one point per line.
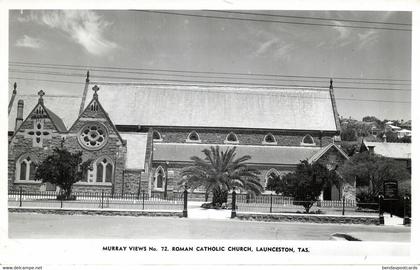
219	172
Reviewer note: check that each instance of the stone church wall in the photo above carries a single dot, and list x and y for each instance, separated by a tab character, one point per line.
245	137
21	144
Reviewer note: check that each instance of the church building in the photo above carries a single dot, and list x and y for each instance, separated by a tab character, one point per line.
139	136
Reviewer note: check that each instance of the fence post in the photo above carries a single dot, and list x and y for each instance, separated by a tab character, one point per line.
381	213
102	199
271	202
142	198
61	199
407	220
344	204
20	197
185	211
233	214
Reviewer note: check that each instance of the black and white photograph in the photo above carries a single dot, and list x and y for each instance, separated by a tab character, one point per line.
236	132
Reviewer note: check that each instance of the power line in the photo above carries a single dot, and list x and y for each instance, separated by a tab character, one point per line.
271	21
44	80
99	82
307	17
212	72
211	82
201	76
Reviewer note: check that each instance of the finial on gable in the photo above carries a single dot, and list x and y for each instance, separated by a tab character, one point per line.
41	94
95	89
87	76
14	88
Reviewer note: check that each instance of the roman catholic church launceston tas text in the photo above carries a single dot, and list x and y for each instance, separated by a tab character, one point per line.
139	136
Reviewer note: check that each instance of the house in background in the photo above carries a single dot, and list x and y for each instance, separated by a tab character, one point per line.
400	152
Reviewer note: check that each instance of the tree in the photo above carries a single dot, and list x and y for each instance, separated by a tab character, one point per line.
372	170
219	172
349	134
63	169
308	181
279	184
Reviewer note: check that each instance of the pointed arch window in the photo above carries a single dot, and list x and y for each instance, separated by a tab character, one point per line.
308	140
269	139
193	137
101	171
25	169
159	178
231	138
157	136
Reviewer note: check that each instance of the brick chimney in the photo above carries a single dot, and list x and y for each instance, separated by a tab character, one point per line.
19	115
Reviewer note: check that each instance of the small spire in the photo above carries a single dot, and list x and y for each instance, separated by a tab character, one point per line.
41	94
331	83
14	88
95	89
87	76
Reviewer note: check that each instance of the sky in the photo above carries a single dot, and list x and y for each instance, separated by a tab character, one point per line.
289	53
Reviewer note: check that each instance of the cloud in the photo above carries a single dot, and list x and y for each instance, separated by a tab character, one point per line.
29	42
83	27
367	38
269	44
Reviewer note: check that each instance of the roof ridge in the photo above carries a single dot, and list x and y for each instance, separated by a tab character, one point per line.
233	85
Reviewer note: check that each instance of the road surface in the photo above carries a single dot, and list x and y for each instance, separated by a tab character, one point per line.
38	226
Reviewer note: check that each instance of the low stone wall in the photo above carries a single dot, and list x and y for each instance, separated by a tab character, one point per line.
309	218
95	212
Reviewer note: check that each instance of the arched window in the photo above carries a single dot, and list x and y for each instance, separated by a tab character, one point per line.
193	137
103	169
308	140
25	169
231	138
156	136
159	178
270	175
269	139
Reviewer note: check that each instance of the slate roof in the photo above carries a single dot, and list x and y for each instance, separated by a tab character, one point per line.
391	150
217	106
284	155
58	122
136	149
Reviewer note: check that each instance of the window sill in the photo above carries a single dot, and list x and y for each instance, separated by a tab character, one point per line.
307	144
193	141
269	143
92	184
33	182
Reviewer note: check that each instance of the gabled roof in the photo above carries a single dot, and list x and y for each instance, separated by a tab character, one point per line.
324	150
275	155
67	107
218	106
101	110
55	119
391	150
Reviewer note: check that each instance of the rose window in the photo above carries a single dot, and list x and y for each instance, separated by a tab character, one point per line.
93	136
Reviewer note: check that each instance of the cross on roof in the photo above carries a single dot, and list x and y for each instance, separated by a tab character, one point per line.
41	94
95	89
